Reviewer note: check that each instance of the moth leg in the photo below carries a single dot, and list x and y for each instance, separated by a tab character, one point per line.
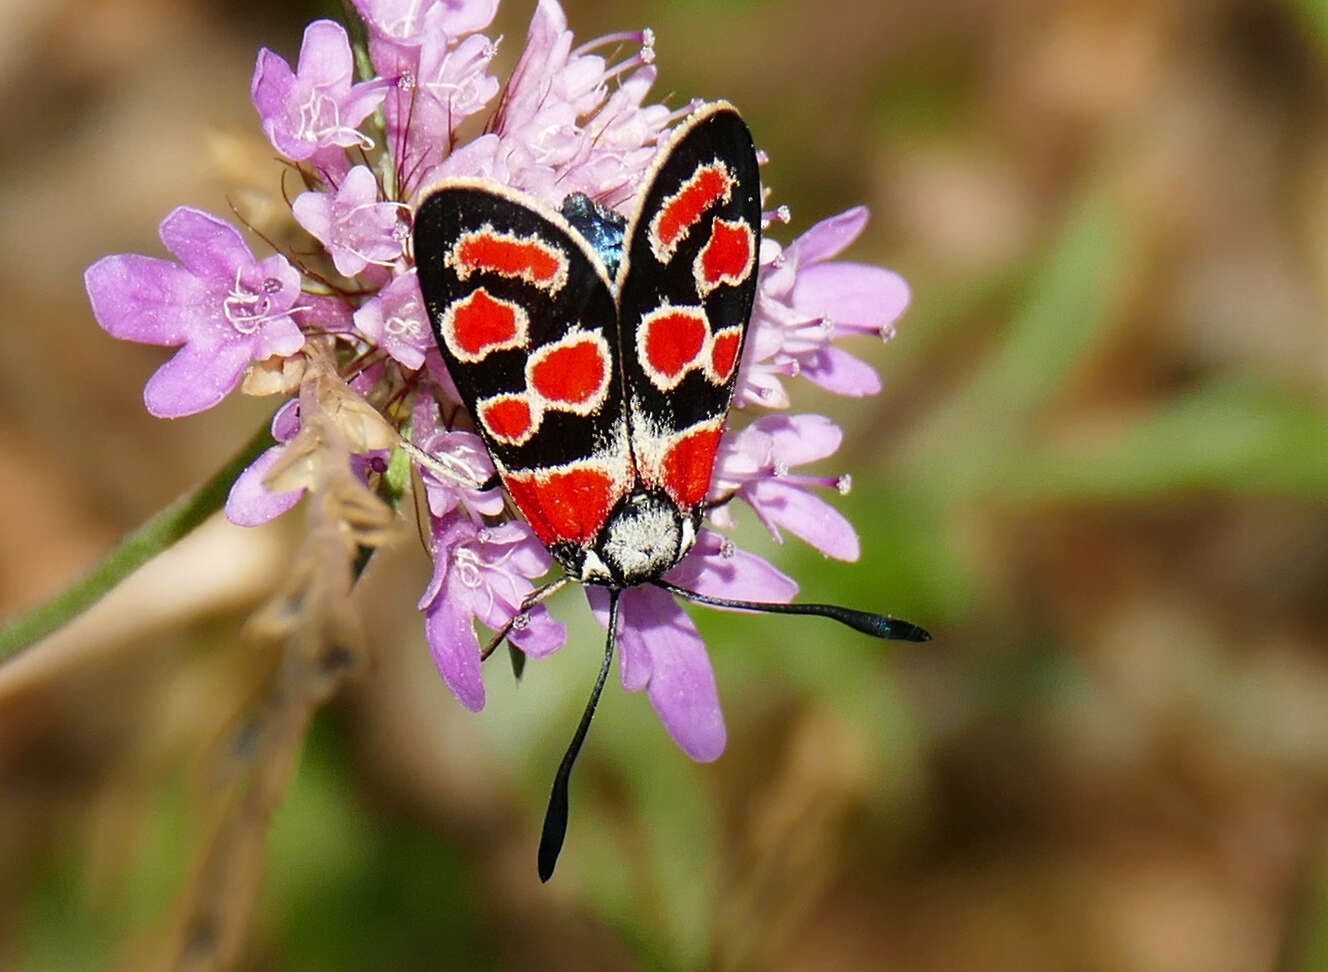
724	500
537	596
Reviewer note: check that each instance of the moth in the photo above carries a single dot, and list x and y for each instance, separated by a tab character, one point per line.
598	360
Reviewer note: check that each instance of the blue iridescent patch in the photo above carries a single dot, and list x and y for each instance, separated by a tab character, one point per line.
602	228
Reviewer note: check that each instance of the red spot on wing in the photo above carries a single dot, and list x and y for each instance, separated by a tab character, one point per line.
724	354
524	257
727	256
673	340
573	374
481	323
708	185
688	465
509	419
570	505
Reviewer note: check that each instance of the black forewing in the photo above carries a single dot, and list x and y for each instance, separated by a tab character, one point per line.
584	300
715	133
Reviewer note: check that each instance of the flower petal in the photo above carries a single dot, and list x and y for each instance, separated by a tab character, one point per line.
250	503
682	684
838	371
829	237
633	655
851	293
197	378
466	16
142	298
542	635
716	567
313	211
796	440
325	56
272	81
209	247
806	516
450	630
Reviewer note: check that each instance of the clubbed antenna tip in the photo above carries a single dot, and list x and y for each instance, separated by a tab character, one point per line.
876	625
555	818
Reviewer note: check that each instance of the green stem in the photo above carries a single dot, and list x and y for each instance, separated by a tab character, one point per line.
138	548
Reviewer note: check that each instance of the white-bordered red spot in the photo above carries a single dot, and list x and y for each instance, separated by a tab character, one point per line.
710	185
670	342
725	347
510	418
727	257
479	324
571	374
570	502
680	462
531	259
673	341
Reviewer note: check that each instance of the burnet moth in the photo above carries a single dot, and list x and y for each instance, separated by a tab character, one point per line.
598	360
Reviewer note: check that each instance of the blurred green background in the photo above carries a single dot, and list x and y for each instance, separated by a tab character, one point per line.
1098	473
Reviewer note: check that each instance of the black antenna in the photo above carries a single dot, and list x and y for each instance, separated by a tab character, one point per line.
876	625
555	818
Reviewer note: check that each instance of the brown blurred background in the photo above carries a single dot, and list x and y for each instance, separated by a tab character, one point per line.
1098	473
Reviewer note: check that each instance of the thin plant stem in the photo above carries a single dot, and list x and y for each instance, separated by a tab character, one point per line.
159	533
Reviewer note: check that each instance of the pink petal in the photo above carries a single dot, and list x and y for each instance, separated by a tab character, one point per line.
450	631
327	313
466	16
838	371
682	684
250	503
209	247
325	56
851	293
808	517
196	379
800	439
273	79
313	211
829	237
542	636
716	567
141	298
633	654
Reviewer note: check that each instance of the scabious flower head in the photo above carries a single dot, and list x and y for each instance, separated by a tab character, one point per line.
344	334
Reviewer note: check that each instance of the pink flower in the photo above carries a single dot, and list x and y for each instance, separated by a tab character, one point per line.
314	112
225	306
352	224
394	319
404	22
464	475
482	574
564	129
437	82
571	119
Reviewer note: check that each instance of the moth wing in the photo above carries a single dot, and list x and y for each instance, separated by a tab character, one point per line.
524	317
687	285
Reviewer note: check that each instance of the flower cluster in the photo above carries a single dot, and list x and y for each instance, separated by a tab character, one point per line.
568	119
